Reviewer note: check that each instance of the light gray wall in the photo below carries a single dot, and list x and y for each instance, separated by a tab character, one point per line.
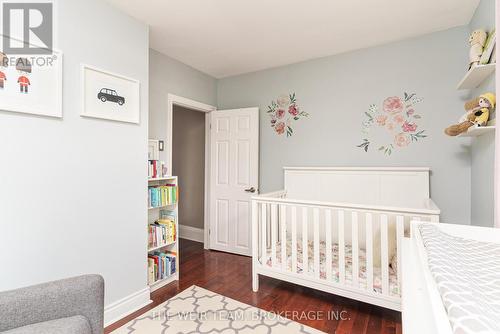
337	90
483	147
73	190
166	76
189	164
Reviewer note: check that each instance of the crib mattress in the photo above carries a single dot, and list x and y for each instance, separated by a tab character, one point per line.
467	274
377	274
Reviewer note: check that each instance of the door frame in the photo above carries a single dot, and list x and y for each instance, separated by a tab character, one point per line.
205	108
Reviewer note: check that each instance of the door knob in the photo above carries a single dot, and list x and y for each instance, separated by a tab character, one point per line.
250	190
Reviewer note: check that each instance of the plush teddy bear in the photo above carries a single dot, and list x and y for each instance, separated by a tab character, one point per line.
477	40
478	114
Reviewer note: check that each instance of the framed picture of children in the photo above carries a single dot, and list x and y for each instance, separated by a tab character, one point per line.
31	84
109	96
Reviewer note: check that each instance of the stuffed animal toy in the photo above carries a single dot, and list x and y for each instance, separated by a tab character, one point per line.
477	40
478	114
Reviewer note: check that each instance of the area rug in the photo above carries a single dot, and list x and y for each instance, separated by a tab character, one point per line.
196	310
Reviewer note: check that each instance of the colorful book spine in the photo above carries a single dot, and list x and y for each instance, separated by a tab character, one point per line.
156	169
161	265
163	195
162	232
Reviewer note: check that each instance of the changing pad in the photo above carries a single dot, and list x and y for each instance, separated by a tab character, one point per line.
467	274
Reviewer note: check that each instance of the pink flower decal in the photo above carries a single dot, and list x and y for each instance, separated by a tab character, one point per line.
280	128
398	118
280	113
393	105
401	140
293	110
283	112
409	127
381	119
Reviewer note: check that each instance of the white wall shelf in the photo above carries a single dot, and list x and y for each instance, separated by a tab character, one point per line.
476	131
475	76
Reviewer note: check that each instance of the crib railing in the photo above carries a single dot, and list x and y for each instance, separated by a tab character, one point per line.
278	219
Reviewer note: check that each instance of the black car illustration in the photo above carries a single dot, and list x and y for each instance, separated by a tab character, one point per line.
107	94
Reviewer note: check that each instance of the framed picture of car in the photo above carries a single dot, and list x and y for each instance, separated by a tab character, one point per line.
110	96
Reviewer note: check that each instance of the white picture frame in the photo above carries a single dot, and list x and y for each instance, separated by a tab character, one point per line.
153	149
43	93
110	96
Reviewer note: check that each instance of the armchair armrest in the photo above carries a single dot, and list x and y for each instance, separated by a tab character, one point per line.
82	295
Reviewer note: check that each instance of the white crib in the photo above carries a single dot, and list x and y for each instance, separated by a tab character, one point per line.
340	230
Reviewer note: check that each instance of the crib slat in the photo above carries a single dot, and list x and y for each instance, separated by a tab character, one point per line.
341	248
384	263
283	237
355	248
305	255
263	233
400	231
328	243
369	252
294	239
274	217
316	242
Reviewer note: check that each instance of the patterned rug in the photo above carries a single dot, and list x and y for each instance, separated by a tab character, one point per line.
196	310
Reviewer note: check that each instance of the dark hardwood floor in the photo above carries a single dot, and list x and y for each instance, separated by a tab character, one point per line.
230	275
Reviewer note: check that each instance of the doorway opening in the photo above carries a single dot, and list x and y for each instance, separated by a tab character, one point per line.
188	163
188	158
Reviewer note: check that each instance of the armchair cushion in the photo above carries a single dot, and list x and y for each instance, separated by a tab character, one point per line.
74	325
77	296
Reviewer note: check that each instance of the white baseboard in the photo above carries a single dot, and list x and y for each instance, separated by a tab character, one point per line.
123	307
191	233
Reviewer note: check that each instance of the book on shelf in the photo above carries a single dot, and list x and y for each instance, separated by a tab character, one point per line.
488	48
162	232
156	169
163	195
161	265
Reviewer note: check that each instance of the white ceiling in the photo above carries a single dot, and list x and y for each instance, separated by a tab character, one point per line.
229	37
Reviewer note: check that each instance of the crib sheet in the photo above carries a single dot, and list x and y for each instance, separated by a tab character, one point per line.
467	274
377	275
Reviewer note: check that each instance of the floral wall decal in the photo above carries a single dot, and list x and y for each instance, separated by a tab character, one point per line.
396	123
284	112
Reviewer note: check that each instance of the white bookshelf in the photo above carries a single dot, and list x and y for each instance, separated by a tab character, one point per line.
154	214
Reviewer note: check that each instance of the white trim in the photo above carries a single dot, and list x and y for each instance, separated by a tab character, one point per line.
191	233
375	169
496	181
202	107
125	306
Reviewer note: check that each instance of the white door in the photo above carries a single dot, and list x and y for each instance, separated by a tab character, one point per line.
234	168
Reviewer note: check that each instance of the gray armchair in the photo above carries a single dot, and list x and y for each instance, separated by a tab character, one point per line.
73	305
